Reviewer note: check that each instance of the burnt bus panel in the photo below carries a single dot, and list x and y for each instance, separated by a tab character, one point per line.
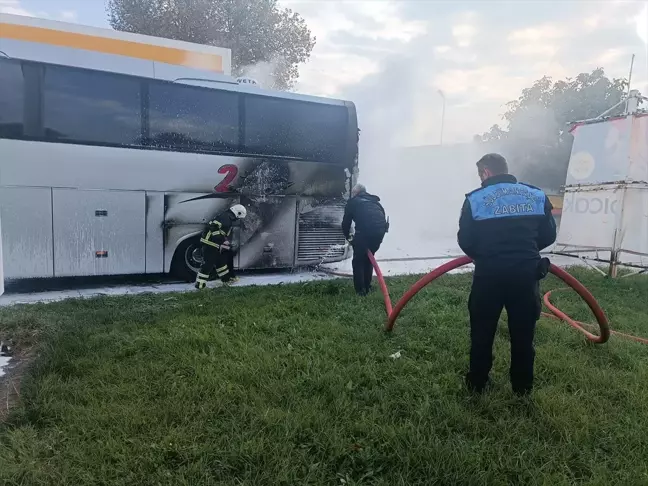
26	214
154	232
268	232
183	208
267	177
99	232
319	233
186	215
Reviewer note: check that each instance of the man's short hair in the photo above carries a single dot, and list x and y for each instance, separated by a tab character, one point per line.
495	163
358	189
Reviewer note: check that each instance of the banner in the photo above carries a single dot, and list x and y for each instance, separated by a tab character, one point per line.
633	230
638	167
605	206
1	263
600	153
588	219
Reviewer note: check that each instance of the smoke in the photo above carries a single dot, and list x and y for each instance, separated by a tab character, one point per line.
422	188
265	73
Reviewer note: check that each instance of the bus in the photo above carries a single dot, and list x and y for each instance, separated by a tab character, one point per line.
113	173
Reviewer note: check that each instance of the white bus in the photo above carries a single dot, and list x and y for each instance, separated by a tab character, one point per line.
108	173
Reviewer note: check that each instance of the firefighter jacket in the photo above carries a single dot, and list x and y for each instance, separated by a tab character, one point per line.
367	213
504	225
218	230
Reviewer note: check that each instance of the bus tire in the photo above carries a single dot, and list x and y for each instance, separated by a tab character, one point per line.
186	261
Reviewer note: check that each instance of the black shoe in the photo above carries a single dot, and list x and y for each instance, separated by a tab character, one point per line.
522	391
477	388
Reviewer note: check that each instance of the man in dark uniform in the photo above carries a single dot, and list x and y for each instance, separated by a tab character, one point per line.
367	213
216	246
503	227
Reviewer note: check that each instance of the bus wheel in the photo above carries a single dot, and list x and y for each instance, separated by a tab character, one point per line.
187	260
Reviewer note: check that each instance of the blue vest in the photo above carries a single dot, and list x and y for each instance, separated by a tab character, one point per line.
506	200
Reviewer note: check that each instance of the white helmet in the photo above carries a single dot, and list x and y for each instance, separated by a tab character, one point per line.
239	211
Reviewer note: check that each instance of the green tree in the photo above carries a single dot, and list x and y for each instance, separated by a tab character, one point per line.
537	139
255	30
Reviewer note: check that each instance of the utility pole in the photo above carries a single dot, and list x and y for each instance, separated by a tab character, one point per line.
442	116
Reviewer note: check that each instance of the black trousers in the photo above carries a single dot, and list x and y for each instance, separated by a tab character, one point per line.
362	268
213	259
520	296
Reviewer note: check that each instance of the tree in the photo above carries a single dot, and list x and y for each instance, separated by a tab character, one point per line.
255	30
537	138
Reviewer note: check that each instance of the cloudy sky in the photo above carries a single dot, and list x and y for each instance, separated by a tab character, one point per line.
392	57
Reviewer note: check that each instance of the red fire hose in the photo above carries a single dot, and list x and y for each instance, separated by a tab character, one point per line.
604	328
560	315
382	283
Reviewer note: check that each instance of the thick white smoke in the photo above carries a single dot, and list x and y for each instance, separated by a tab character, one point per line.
263	72
422	188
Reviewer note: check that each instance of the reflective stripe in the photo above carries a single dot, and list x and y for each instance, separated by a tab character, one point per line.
224	267
202	275
222	274
210	243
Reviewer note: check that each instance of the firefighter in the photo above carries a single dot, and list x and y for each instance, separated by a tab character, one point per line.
367	213
217	248
503	227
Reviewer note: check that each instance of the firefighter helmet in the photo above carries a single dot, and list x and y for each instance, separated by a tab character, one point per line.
239	211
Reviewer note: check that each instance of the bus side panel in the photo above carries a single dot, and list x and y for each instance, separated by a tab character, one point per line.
268	233
26	214
99	232
154	232
27	163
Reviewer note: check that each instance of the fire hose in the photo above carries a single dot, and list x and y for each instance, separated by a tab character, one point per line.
604	328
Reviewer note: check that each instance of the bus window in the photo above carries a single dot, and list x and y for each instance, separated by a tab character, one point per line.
293	128
12	99
194	119
91	107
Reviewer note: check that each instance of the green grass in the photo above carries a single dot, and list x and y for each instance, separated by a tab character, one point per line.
293	385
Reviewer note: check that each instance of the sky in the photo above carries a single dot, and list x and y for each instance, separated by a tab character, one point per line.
395	58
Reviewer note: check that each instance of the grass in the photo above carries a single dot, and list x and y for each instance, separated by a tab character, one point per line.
294	385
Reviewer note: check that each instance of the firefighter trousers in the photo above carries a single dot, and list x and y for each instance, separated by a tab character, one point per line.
229	256
213	259
520	296
362	268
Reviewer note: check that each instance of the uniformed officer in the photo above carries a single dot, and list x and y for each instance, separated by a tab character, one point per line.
216	247
503	227
367	213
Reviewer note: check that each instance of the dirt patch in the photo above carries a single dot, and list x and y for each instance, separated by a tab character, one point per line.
11	381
